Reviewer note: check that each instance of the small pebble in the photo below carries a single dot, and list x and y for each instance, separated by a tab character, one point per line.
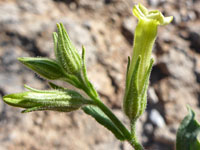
156	118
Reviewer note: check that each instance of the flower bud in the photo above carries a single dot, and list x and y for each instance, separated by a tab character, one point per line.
65	52
45	67
139	68
35	100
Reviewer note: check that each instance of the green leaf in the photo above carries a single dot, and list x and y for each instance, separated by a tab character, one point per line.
188	132
47	68
101	118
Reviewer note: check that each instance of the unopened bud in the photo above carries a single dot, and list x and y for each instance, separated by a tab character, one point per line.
35	100
65	52
45	67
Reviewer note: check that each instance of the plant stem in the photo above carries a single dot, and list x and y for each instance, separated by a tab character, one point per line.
130	137
134	141
114	119
92	94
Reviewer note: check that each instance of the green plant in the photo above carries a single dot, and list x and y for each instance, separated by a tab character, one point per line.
70	67
187	137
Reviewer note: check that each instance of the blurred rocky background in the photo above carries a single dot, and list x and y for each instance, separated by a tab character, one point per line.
106	29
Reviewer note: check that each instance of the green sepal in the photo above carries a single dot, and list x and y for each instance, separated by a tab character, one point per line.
66	53
31	89
56	87
57	100
145	82
135	100
37	108
73	80
188	132
55	41
102	119
127	70
145	87
84	72
45	67
195	145
131	103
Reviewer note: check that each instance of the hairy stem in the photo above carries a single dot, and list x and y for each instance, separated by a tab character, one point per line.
106	110
114	119
134	141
